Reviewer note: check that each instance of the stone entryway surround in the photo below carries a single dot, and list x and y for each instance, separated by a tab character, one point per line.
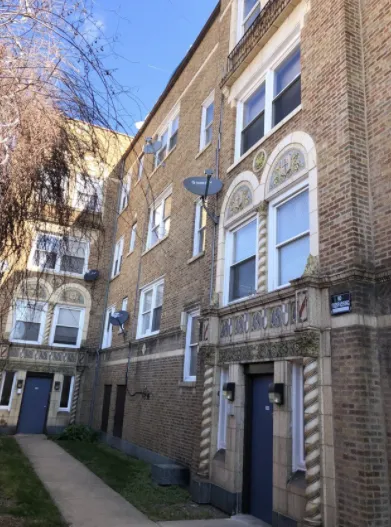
281	328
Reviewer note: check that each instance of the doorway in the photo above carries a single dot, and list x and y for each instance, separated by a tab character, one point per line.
258	496
119	410
35	404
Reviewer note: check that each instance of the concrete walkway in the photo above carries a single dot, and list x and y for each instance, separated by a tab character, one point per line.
83	499
241	520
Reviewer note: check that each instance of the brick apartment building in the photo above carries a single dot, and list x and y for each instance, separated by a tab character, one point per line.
288	102
47	309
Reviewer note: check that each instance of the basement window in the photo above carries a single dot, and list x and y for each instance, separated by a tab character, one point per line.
6	389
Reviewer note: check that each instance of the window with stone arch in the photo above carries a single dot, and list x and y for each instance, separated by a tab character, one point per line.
238	241
69	316
28	314
290	190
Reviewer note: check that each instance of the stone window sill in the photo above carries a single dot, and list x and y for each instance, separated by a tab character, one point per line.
187	384
196	257
204	149
264	138
156	245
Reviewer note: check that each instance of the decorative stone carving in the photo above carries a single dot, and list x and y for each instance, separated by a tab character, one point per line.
259	160
312	267
240	199
302	306
313	514
72	295
306	345
286	166
206	422
33	290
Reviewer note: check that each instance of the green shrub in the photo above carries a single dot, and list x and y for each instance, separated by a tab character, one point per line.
79	433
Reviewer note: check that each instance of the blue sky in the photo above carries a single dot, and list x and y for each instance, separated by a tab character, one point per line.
153	37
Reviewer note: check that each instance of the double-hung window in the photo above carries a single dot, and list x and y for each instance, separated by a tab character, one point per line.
117	262
7	385
275	96
57	254
223	412
150	312
29	322
253	119
207	116
133	236
168	139
289	238
199	229
298	462
67	326
287	87
241	247
251	9
160	219
191	349
66	393
89	193
125	193
108	329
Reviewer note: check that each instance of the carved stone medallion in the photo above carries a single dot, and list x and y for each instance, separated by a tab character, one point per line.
259	160
286	166
241	198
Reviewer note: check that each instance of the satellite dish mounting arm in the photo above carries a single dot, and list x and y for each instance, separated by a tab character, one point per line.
213	217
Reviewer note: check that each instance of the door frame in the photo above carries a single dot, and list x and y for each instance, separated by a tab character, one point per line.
41	375
250	371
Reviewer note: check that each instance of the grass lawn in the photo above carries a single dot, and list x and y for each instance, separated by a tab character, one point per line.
24	501
132	479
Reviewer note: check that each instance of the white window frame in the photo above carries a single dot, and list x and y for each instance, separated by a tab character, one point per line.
167	127
161	199
266	77
150	287
70	396
118	254
140	168
133	238
57	270
44	307
108	329
7	407
125	192
54	324
187	358
205	106
223	412
273	260
96	183
241	20
124	307
298	457
229	247
199	211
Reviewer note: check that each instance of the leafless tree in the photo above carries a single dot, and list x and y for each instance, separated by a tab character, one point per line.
57	100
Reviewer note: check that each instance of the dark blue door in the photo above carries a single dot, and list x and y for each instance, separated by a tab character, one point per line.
261	484
35	403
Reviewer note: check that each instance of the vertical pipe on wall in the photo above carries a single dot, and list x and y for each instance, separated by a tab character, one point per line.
106	297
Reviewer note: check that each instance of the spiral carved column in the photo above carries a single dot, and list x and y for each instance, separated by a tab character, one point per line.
75	398
48	323
262	247
313	515
206	422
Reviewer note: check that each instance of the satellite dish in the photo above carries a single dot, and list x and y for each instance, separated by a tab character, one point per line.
151	148
203	186
119	318
91	276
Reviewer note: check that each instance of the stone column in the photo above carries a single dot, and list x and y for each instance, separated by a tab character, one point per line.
206	422
75	398
313	515
262	247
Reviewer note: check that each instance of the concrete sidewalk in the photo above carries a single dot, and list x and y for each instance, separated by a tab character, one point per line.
83	499
241	520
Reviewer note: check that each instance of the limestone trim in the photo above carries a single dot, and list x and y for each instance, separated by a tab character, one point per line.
313	515
206	422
